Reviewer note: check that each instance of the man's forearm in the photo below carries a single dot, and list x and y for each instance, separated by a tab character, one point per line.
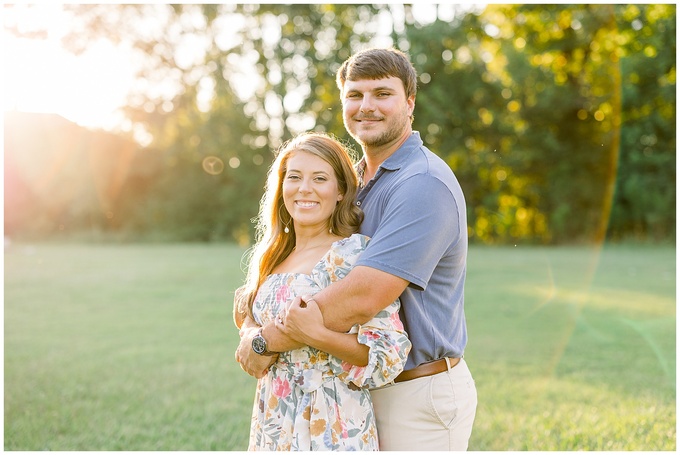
358	297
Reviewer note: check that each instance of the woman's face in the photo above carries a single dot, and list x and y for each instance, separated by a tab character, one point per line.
310	191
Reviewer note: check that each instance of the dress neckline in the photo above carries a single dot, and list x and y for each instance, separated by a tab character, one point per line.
315	265
290	273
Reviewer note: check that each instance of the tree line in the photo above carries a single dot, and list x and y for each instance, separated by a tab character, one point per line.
558	120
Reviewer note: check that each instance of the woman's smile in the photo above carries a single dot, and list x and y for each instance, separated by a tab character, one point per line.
306	204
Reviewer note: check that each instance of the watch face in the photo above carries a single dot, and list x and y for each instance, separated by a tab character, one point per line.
259	345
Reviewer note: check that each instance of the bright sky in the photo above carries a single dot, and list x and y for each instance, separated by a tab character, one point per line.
40	76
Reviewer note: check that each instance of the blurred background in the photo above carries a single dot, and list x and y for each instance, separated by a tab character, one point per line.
158	122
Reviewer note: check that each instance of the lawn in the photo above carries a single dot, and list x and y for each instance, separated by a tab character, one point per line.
130	347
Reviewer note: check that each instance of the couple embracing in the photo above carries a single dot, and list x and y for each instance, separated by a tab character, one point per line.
352	314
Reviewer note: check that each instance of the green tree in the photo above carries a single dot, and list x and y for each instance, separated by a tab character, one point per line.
645	197
526	103
561	78
552	116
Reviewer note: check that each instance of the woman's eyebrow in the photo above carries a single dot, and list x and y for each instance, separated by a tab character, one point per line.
315	172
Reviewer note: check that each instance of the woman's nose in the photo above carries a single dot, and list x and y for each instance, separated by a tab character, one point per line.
305	186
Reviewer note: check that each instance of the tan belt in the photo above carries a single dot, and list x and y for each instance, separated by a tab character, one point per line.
426	369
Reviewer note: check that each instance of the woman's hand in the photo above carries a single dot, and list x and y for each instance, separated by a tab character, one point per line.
253	364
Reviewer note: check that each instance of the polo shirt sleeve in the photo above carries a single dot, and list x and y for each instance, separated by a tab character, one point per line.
420	222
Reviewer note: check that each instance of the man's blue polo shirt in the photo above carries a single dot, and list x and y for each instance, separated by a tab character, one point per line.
415	215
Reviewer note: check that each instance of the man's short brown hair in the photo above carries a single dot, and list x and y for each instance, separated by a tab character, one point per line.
378	64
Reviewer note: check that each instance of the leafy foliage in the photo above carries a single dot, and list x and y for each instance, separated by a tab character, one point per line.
558	120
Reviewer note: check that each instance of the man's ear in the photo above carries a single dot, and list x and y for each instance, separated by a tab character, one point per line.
411	102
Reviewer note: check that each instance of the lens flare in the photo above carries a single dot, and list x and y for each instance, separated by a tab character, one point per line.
213	165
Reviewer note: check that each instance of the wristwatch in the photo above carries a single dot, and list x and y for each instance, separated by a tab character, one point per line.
260	344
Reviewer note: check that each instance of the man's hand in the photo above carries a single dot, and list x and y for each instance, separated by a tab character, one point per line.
254	364
302	321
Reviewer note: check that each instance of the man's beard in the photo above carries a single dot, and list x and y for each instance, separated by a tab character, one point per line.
394	130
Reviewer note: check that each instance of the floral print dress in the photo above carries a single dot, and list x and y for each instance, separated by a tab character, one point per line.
310	400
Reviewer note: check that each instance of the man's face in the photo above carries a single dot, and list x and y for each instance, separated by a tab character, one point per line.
376	112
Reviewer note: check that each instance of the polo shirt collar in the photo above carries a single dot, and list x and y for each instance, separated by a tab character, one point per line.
401	155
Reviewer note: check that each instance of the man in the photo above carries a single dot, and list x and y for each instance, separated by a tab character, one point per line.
415	215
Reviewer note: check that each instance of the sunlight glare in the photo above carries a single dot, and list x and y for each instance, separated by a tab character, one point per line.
40	76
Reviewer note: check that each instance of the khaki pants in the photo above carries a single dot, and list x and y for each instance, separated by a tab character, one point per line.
430	413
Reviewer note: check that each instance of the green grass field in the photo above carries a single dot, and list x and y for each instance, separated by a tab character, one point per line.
125	347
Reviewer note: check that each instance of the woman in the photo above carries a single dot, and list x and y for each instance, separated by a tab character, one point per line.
315	397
